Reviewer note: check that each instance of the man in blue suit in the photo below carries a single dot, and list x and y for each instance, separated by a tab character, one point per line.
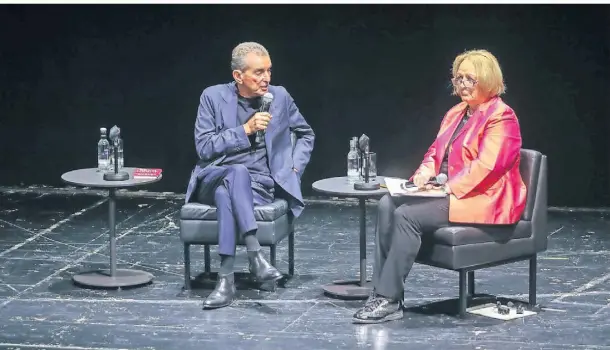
238	170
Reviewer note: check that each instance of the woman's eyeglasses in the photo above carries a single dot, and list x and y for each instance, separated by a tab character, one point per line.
464	80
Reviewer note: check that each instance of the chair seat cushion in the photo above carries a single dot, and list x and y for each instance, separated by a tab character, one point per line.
461	235
267	212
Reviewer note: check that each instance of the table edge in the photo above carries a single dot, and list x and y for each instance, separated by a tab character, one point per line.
111	184
376	193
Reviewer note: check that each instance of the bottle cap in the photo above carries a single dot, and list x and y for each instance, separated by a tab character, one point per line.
103	130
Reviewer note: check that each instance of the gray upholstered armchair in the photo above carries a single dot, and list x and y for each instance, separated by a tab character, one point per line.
198	226
466	249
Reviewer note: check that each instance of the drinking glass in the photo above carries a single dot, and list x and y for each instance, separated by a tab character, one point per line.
371	159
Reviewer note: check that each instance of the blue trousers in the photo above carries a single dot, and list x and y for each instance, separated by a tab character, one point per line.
231	190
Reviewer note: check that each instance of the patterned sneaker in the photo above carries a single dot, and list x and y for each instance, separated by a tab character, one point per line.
372	296
379	309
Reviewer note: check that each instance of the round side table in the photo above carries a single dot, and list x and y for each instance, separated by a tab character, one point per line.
112	277
341	187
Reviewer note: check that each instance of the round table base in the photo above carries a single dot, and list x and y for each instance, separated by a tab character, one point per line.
348	290
122	278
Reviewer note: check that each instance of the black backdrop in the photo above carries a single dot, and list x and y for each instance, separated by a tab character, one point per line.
66	70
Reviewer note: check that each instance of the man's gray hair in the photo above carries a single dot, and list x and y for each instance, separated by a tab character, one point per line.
240	51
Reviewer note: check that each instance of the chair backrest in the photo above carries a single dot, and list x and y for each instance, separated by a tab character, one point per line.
530	172
533	170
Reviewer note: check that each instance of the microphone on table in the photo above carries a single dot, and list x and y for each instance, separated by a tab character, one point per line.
266	100
114	135
364	145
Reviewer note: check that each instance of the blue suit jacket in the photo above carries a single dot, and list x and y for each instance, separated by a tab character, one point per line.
218	133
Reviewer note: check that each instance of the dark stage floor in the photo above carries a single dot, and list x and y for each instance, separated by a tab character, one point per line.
45	238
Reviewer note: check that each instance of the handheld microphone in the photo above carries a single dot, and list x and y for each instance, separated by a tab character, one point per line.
114	134
266	100
438	180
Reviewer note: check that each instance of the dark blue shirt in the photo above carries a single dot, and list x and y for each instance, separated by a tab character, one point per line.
255	157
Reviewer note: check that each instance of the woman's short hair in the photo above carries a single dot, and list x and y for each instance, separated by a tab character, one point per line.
489	74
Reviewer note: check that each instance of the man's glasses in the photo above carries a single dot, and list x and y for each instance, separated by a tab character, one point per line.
464	80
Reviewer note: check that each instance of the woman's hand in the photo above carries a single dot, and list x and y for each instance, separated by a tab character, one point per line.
421	178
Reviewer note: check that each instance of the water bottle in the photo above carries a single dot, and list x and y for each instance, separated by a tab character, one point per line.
103	152
353	172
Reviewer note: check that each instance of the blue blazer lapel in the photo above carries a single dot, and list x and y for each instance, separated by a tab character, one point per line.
274	110
228	109
275	120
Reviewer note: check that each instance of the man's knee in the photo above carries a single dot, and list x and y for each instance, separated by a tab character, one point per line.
238	171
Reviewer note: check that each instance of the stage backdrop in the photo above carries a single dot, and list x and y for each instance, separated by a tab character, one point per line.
67	70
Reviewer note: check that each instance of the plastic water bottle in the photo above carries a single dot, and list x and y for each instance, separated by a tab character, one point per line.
103	152
353	171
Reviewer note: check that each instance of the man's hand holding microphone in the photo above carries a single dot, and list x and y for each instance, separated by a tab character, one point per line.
258	122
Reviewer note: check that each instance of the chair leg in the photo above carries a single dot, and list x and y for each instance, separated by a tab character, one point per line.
463	299
291	254
471	283
187	266
272	256
532	282
207	259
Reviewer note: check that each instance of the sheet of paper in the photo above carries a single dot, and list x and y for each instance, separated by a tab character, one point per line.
394	186
396	189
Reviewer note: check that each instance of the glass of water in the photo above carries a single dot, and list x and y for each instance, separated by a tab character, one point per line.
370	159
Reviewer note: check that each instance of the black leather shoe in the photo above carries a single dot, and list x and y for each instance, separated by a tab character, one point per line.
223	294
262	270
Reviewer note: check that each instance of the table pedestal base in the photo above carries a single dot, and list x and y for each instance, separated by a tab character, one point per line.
122	278
348	290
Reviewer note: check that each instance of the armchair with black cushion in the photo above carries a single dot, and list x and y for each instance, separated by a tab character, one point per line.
199	226
469	248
